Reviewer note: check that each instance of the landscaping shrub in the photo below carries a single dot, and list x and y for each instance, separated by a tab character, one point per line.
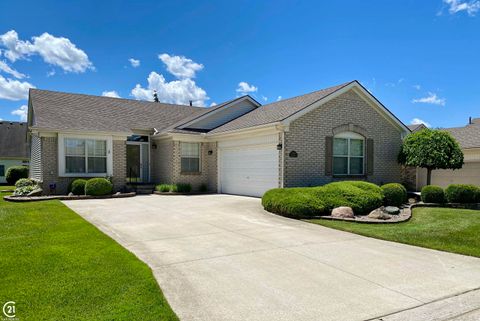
203	188
183	188
394	194
77	187
462	193
98	187
14	173
24	190
22	182
303	202
432	194
164	188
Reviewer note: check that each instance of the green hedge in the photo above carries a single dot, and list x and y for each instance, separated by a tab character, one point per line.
77	187
462	193
14	173
164	188
22	182
304	202
395	194
432	194
174	188
98	187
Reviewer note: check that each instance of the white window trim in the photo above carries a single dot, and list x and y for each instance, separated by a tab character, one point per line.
349	136
61	155
199	158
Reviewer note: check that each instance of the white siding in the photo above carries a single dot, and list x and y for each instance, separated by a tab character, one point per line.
36	158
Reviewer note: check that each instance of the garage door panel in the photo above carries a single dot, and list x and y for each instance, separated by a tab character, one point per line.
249	170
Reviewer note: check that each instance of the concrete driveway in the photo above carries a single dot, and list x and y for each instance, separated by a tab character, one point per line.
222	257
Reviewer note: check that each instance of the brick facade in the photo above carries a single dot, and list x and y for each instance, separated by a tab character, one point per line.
349	111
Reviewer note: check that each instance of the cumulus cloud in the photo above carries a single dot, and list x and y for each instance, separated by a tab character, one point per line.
22	112
213	104
279	98
56	51
9	70
245	88
180	66
418	121
111	93
134	62
12	89
176	92
456	6
432	98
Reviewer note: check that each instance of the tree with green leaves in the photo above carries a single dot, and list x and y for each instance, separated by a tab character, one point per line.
431	149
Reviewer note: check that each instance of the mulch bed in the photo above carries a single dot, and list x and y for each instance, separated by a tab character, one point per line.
12	198
404	215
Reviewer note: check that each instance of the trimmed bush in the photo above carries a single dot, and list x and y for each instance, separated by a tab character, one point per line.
22	182
304	202
394	194
432	194
203	188
164	188
183	188
462	193
77	187
14	173
24	190
98	187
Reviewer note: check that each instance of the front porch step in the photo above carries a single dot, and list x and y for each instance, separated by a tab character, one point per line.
141	188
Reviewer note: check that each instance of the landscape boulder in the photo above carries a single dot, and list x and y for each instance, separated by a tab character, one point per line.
343	211
379	214
391	210
36	192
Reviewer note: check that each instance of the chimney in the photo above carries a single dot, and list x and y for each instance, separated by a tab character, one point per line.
470	120
191	103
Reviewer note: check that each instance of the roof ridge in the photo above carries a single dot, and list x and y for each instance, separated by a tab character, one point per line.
118	98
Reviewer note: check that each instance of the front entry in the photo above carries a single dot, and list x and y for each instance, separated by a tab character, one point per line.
137	162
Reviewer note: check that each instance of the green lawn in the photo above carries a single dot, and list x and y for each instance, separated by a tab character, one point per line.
445	229
57	266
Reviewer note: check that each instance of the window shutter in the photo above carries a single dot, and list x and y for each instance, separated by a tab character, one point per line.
370	156
328	155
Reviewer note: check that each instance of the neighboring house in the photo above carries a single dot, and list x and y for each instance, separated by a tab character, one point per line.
237	147
416	127
13	146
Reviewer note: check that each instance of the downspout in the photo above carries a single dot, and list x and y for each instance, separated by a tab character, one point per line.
282	166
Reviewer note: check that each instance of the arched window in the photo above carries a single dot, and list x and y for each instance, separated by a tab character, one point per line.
348	154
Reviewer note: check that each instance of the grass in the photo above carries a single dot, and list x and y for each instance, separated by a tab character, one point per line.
57	266
445	229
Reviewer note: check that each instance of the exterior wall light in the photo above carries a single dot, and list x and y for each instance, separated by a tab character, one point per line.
279	147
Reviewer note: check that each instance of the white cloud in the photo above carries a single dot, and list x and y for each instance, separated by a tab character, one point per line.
175	92
111	93
264	98
14	89
51	73
418	121
134	62
180	66
244	88
213	104
9	70
279	98
56	51
417	87
22	112
455	6
432	98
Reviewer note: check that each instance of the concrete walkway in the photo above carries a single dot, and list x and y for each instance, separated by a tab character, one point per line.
222	257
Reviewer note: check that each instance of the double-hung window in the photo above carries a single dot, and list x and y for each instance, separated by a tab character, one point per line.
348	154
190	157
85	156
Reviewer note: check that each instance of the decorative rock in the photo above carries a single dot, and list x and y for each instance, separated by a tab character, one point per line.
117	193
343	211
36	192
379	214
392	210
70	194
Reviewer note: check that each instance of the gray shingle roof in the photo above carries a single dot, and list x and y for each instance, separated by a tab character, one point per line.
13	139
416	127
57	110
276	111
468	136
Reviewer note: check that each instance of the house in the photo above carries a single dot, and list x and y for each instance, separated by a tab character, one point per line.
13	146
416	127
237	147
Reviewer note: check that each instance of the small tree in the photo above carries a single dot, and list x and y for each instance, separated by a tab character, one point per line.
431	149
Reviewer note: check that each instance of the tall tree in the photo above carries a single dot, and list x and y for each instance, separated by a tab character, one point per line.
155	97
431	149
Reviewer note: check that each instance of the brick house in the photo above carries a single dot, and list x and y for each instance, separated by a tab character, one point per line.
237	147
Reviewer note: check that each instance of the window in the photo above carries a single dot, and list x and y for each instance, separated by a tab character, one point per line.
348	154
190	157
2	170
85	156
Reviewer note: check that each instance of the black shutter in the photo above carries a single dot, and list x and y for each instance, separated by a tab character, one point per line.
328	155
370	156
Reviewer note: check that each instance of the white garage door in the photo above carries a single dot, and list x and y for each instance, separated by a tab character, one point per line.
468	174
248	170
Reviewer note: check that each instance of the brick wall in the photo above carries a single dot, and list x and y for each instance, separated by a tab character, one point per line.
162	159
119	154
307	137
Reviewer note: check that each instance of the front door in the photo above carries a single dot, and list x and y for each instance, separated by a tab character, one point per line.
137	163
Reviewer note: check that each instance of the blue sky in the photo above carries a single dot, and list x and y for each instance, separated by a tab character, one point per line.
420	58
